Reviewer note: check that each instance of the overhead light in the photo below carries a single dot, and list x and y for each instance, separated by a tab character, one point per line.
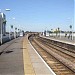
7	9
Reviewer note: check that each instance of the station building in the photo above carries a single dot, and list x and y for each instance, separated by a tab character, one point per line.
3	23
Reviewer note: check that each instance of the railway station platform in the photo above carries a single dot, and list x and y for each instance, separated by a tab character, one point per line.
20	58
11	60
61	39
33	63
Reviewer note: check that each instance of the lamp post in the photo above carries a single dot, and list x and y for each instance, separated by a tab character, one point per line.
52	32
10	32
71	32
15	28
15	33
18	32
1	18
1	27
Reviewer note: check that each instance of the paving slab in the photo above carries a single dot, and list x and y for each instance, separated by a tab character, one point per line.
12	63
33	63
22	60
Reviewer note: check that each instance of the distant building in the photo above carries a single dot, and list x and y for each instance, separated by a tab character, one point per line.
3	22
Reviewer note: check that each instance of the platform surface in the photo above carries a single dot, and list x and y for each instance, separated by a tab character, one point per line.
61	39
22	60
11	63
33	63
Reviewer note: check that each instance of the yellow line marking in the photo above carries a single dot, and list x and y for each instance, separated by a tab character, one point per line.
28	68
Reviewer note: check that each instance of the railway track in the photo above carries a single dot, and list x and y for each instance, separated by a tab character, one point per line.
65	46
69	54
61	62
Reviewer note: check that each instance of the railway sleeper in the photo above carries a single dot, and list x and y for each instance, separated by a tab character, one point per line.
66	62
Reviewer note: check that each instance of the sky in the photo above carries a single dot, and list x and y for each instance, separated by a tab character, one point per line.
39	15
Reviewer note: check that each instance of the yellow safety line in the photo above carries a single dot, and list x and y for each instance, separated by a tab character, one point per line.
28	68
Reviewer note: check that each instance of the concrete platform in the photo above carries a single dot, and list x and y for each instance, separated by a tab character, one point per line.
11	63
33	63
22	60
62	39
